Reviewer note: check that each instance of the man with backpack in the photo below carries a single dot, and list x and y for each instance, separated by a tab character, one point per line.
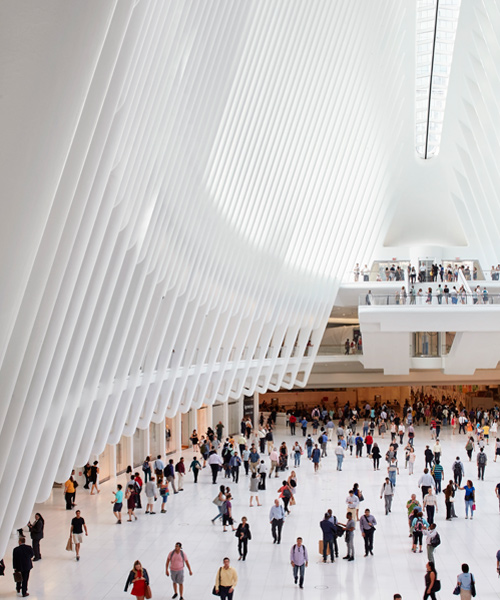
432	541
299	560
482	459
177	559
158	467
170	474
458	471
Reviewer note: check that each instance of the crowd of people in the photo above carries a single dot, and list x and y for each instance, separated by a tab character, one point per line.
253	457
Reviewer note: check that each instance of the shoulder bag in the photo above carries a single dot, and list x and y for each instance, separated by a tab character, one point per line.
472	586
216	591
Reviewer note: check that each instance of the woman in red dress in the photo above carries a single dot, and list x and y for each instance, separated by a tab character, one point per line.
139	579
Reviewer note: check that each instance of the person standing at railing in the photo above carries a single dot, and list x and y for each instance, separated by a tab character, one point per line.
485	296
368	298
439	294
356	272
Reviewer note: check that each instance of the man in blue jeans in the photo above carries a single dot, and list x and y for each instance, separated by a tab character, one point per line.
299	560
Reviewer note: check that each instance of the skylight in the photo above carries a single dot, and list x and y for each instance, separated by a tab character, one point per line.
436	29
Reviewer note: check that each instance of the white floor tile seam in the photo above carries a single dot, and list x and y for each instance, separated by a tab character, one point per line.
108	553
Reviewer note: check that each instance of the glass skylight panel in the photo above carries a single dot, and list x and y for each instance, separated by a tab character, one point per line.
436	29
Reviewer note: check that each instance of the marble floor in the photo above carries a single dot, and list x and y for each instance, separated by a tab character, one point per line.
109	551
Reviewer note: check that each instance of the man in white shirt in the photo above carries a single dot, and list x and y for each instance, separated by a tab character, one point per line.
352	502
215	462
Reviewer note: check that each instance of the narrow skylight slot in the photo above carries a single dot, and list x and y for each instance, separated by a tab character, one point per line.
436	30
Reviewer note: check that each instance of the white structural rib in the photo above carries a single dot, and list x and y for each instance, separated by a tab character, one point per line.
184	185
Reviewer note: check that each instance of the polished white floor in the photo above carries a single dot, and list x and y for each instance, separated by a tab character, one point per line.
109	551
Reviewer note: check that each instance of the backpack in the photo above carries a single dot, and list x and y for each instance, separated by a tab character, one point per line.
419	525
435	541
457	469
481	459
287	493
145	466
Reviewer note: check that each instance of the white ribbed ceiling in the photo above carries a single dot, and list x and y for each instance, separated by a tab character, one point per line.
184	185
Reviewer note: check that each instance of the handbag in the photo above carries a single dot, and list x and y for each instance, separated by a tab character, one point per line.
472	586
69	545
147	592
474	506
456	591
216	591
18	576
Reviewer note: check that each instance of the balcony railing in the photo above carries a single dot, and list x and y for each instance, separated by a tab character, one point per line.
339	350
426	299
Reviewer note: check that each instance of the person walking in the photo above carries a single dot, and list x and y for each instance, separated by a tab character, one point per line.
226	580
285	494
316	457
481	460
22	563
150	495
219	501
235	464
78	526
367	525
429	457
418	526
138	578
195	467
392	471
376	455
466	583
215	462
227	513
387	492
243	534
329	533
297	453
164	494
94	477
36	533
169	472
469	447
470	498
432	541
273	457
131	497
430	505
69	492
254	489
431	582
299	560
425	482
177	559
159	466
118	503
146	468
438	474
262	475
458	471
180	467
339	453
276	518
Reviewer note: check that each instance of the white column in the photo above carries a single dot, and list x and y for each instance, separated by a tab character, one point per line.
256	409
177	436
225	418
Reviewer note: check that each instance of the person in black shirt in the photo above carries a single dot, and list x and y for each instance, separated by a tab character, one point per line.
76	531
22	563
36	532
